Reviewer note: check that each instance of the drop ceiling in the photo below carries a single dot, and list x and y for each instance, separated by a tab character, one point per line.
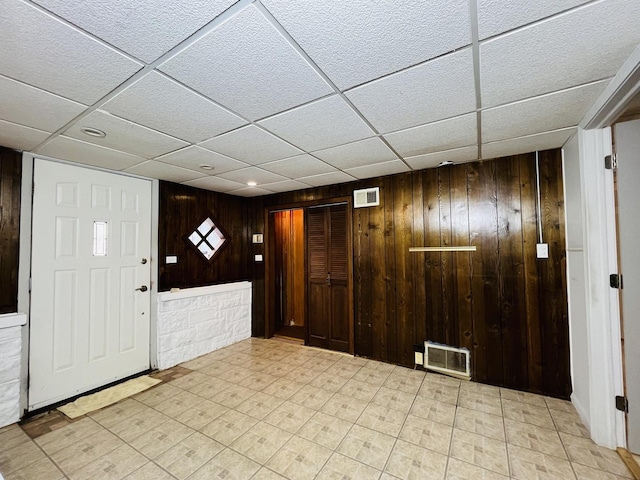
292	94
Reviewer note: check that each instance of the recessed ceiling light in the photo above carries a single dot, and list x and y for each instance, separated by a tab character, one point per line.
93	132
446	163
252	184
204	166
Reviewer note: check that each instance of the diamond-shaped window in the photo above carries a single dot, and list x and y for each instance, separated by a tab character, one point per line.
207	238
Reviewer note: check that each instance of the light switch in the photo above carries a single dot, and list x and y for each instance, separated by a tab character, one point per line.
171	259
542	250
258	258
257	238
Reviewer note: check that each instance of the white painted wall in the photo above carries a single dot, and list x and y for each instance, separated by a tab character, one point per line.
196	321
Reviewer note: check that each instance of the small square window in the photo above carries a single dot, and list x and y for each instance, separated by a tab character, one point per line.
207	238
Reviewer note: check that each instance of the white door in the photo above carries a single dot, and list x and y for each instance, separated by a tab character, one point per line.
627	138
90	260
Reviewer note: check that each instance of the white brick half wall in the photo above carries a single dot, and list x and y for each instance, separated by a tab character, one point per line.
195	321
10	360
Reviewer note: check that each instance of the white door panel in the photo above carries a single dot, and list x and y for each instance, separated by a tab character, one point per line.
89	324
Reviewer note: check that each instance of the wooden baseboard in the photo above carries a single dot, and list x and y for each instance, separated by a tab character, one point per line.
630	462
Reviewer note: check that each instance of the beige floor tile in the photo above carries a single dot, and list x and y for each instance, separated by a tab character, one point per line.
261	442
215	368
458	470
329	381
427	433
189	455
228	427
12	436
409	461
382	419
527	413
114	465
586	452
239	359
379	366
227	464
289	416
234	375
156	395
58	439
201	414
110	416
569	422
210	388
178	404
367	446
149	471
19	457
299	459
523	397
430	409
340	467
259	405
198	363
283	388
358	389
161	438
304	374
187	382
265	474
475	387
395	399
72	458
588	473
388	476
258	381
346	408
481	402
311	397
481	423
325	430
233	396
479	450
442	393
442	380
343	369
139	423
529	465
43	469
561	405
371	376
404	382
535	438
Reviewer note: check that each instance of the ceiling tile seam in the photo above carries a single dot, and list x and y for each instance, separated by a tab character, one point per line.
530	135
548	94
296	46
460	115
534	23
24	126
40	89
475	48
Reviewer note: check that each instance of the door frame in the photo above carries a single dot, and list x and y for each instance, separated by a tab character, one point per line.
269	276
24	266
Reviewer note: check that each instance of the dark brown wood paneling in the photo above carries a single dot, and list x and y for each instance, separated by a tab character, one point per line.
10	187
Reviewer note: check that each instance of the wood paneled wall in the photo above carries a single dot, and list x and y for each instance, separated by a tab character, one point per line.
181	209
10	186
508	307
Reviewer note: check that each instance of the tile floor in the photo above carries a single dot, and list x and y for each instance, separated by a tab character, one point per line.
266	409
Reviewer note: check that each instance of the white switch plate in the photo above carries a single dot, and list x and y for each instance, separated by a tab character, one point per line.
257	238
542	250
258	258
171	259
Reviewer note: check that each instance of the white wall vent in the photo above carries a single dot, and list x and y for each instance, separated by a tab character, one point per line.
449	360
367	197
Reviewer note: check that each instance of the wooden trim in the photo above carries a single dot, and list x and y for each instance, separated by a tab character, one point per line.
630	462
466	248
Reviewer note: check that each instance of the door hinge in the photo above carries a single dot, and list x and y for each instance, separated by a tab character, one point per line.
615	280
611	162
622	404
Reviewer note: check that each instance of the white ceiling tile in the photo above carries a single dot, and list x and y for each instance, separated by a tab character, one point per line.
285	186
250	192
158	102
125	136
253	174
298	166
192	157
246	65
20	137
516	146
42	51
434	137
435	90
354	42
327	179
539	114
497	16
145	29
163	171
378	169
456	155
321	124
66	148
567	50
252	145
357	154
26	105
215	184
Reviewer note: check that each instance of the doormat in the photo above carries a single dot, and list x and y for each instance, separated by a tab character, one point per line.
108	396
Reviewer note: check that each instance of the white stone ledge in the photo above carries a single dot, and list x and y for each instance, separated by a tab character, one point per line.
9	320
200	291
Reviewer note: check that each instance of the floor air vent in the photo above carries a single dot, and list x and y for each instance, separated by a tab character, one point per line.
367	197
449	360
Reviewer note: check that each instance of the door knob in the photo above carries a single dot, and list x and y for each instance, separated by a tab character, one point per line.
143	288
143	261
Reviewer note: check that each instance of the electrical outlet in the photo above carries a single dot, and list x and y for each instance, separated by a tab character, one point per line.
257	258
542	250
171	259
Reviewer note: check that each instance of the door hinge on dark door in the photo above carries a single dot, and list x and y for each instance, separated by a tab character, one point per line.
611	162
615	280
622	404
